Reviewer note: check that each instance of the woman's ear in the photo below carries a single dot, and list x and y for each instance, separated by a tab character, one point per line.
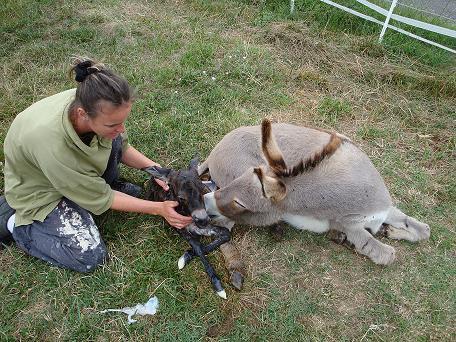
82	114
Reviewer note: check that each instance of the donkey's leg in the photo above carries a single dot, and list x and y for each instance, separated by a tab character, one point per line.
366	244
405	227
375	227
234	264
222	236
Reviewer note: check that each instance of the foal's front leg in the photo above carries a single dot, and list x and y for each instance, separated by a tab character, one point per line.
198	250
222	235
233	260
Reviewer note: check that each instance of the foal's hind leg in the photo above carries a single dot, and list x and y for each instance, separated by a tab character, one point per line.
366	244
403	227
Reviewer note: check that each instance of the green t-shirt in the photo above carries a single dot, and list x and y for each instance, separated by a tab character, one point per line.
46	160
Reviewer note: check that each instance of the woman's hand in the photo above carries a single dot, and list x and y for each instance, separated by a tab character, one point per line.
124	202
174	219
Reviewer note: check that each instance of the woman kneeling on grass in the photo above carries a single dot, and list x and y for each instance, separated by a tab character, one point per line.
61	166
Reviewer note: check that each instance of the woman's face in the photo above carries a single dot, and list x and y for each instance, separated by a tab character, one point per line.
110	120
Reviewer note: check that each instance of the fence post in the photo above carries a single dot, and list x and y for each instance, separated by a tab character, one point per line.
385	24
292	5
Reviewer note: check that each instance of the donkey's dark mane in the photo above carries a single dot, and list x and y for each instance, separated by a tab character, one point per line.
314	160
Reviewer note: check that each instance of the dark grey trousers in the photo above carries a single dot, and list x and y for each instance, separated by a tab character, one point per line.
69	237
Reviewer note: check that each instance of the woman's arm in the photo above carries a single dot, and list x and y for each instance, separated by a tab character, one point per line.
124	202
133	158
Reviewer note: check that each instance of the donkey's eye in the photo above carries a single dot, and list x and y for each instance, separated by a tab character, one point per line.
239	204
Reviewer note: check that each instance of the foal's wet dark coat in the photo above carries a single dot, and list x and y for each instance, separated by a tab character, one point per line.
186	188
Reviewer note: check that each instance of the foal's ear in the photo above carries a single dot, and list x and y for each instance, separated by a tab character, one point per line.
161	173
193	165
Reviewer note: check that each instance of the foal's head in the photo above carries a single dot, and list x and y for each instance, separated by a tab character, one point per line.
186	188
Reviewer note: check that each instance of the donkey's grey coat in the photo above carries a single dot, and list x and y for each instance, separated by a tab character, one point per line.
343	192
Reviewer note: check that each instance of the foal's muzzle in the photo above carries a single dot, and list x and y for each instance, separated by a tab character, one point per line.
200	218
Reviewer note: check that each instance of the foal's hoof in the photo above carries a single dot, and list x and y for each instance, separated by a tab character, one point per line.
183	260
221	294
217	285
237	280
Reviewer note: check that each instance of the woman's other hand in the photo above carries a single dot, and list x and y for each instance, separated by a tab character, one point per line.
174	219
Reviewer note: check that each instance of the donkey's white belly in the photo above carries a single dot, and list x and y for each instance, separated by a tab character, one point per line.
373	221
307	223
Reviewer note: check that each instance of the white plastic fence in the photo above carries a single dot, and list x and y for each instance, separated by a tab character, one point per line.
443	9
390	15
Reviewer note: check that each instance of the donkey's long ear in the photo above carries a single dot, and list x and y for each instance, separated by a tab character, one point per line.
161	173
193	165
273	188
271	149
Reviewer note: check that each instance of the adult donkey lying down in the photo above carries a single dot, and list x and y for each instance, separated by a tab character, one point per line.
332	184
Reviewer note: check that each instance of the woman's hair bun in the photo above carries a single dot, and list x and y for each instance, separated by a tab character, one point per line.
83	69
97	83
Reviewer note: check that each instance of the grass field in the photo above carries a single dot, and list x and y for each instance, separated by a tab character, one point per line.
202	68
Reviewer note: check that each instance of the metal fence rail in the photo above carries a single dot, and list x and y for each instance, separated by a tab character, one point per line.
445	9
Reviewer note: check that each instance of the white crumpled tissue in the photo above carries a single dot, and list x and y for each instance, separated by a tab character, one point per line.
149	308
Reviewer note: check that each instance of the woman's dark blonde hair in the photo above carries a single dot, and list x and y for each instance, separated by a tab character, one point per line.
97	83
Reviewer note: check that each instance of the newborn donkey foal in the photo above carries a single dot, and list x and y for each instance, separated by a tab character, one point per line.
186	188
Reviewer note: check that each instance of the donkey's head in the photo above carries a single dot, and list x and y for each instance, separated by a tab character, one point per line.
186	188
259	189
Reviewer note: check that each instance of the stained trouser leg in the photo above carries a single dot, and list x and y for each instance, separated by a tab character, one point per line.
67	238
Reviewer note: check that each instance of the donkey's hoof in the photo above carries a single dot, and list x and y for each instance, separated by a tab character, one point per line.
237	280
336	236
383	230
222	294
217	284
277	231
378	252
385	257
